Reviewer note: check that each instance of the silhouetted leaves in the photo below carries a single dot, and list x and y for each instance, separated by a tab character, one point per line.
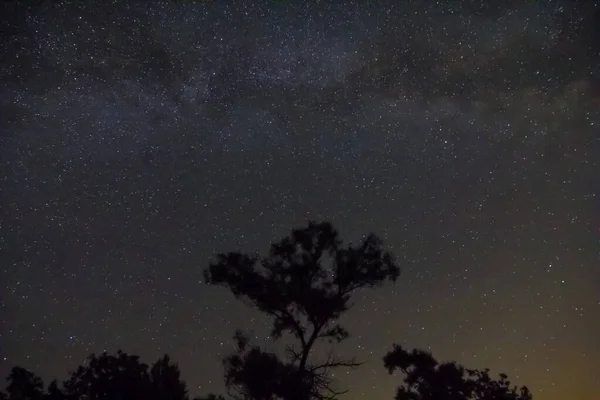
121	376
210	397
252	373
426	379
255	374
124	377
23	384
165	380
105	377
54	392
305	284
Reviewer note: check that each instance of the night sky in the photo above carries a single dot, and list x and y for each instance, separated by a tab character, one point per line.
139	140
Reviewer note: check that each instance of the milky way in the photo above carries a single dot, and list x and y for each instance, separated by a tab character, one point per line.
139	140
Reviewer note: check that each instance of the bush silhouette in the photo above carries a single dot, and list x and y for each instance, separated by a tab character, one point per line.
427	379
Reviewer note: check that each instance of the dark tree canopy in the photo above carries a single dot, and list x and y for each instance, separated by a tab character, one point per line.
23	384
54	392
263	376
124	376
427	379
165	380
304	284
211	397
105	377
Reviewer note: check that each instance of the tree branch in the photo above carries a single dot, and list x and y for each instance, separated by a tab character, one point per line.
307	347
334	364
294	355
296	325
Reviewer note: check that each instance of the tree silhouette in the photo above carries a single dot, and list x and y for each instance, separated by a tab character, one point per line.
105	377
109	377
427	379
24	385
53	392
305	284
165	380
124	377
210	397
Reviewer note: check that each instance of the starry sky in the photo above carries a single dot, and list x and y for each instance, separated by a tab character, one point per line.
137	140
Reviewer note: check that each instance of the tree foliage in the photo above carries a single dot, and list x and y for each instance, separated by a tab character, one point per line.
427	379
109	377
305	284
23	384
211	397
54	392
165	380
105	377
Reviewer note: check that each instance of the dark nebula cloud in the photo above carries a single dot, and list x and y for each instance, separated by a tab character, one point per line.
138	140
